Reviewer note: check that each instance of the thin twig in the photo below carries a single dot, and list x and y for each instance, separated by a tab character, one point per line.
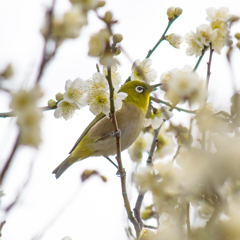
45	59
200	58
138	204
137	208
13	114
9	161
15	201
1	226
209	65
149	226
121	170
153	146
172	106
188	221
170	21
177	152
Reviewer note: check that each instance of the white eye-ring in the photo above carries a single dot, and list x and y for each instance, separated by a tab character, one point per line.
139	89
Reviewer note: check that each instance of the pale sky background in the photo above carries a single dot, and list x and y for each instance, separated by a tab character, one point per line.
94	209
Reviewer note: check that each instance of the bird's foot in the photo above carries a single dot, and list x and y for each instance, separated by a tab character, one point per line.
121	173
115	133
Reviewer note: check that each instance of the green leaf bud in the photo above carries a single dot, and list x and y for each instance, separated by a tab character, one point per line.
59	96
52	103
108	17
171	12
237	36
146	214
178	11
118	51
117	38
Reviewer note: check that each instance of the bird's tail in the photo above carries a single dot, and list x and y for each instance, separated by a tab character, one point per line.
58	171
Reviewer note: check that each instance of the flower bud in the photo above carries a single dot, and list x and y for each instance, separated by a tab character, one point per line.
174	39
146	214
52	103
237	36
59	96
117	38
178	11
118	51
100	4
108	17
238	44
171	12
8	72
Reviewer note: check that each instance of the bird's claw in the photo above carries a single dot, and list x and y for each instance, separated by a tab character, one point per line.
121	173
116	133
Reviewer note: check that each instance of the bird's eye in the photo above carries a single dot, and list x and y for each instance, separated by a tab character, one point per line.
139	89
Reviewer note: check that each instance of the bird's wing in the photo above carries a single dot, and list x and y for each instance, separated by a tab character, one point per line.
95	120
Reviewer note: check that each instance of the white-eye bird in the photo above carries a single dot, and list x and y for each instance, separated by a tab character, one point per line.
97	139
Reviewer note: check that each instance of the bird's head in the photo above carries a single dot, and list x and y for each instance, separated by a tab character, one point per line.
138	93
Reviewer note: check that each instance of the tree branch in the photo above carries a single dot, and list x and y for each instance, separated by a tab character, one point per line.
121	170
13	114
46	58
172	106
200	58
170	21
9	161
209	65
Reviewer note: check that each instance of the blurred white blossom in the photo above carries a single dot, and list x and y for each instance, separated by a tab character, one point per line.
142	71
157	117
181	85
29	116
141	144
97	43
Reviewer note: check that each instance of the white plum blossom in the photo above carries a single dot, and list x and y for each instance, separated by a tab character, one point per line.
98	83
98	102
75	92
115	76
157	117
97	43
142	71
118	100
175	40
65	109
220	14
205	34
183	84
29	116
197	41
142	143
194	46
165	145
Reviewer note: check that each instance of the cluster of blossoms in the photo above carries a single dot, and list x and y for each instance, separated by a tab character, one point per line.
95	92
181	85
191	180
92	92
165	145
29	116
70	24
217	33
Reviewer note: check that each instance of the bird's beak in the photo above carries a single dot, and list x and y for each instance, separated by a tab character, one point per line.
153	87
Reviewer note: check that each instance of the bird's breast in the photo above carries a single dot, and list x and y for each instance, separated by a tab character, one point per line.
130	121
